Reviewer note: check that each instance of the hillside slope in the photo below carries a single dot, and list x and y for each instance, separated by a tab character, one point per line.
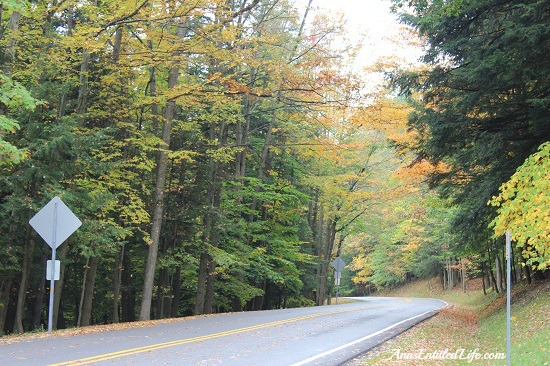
475	323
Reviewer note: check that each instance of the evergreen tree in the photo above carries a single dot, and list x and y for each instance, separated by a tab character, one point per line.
482	107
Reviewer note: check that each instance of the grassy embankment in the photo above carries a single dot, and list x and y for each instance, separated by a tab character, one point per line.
474	322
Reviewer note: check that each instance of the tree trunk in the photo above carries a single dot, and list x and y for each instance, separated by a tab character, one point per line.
89	292
167	303
163	294
128	300
483	278
37	314
330	286
61	254
494	281
204	262
266	298
319	298
325	255
503	269
153	93
487	275
81	104
444	276
450	277
20	307
456	272
498	272
242	137
82	291
214	203
151	262
321	287
210	287
463	275
9	50
160	296
515	278
64	97
527	270
201	284
5	285
204	275
116	285
4	301
117	47
62	324
495	286
176	290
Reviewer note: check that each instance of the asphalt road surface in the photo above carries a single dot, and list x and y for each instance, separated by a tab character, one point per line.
325	335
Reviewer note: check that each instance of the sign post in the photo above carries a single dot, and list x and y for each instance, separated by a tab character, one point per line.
337	276
55	222
508	286
338	264
52	273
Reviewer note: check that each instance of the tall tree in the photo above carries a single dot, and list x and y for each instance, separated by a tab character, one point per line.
481	107
162	167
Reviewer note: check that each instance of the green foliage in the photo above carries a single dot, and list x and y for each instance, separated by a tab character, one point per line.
16	5
273	251
13	96
481	104
387	265
101	72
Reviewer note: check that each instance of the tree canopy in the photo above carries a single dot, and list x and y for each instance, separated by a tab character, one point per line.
481	102
221	154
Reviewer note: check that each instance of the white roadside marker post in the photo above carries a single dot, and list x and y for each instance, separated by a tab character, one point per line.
52	274
508	286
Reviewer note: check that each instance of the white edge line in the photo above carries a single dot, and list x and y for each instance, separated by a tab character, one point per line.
308	360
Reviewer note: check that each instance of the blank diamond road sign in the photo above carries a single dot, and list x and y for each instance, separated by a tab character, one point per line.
338	264
43	222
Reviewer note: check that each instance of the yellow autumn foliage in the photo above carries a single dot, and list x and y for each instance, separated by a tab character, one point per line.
524	208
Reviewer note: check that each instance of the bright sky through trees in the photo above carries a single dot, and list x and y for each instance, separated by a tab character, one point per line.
371	23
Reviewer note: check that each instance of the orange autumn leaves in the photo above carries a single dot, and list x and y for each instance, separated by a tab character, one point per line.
390	117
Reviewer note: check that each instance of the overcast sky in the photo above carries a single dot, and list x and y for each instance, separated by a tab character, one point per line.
372	23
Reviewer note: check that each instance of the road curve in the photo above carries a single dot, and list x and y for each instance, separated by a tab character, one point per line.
325	335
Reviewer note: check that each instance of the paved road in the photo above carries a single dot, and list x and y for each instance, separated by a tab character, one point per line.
326	335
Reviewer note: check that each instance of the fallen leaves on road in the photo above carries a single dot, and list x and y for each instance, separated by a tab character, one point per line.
9	339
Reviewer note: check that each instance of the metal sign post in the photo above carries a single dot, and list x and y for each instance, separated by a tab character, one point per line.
55	222
52	273
338	264
337	276
508	286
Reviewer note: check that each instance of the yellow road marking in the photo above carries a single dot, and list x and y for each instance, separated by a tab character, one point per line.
132	351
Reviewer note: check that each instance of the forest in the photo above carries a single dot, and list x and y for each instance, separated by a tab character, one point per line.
221	153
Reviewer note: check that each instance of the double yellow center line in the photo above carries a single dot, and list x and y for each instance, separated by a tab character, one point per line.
152	347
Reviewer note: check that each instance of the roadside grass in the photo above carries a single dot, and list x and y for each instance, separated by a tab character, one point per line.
474	323
341	300
530	343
